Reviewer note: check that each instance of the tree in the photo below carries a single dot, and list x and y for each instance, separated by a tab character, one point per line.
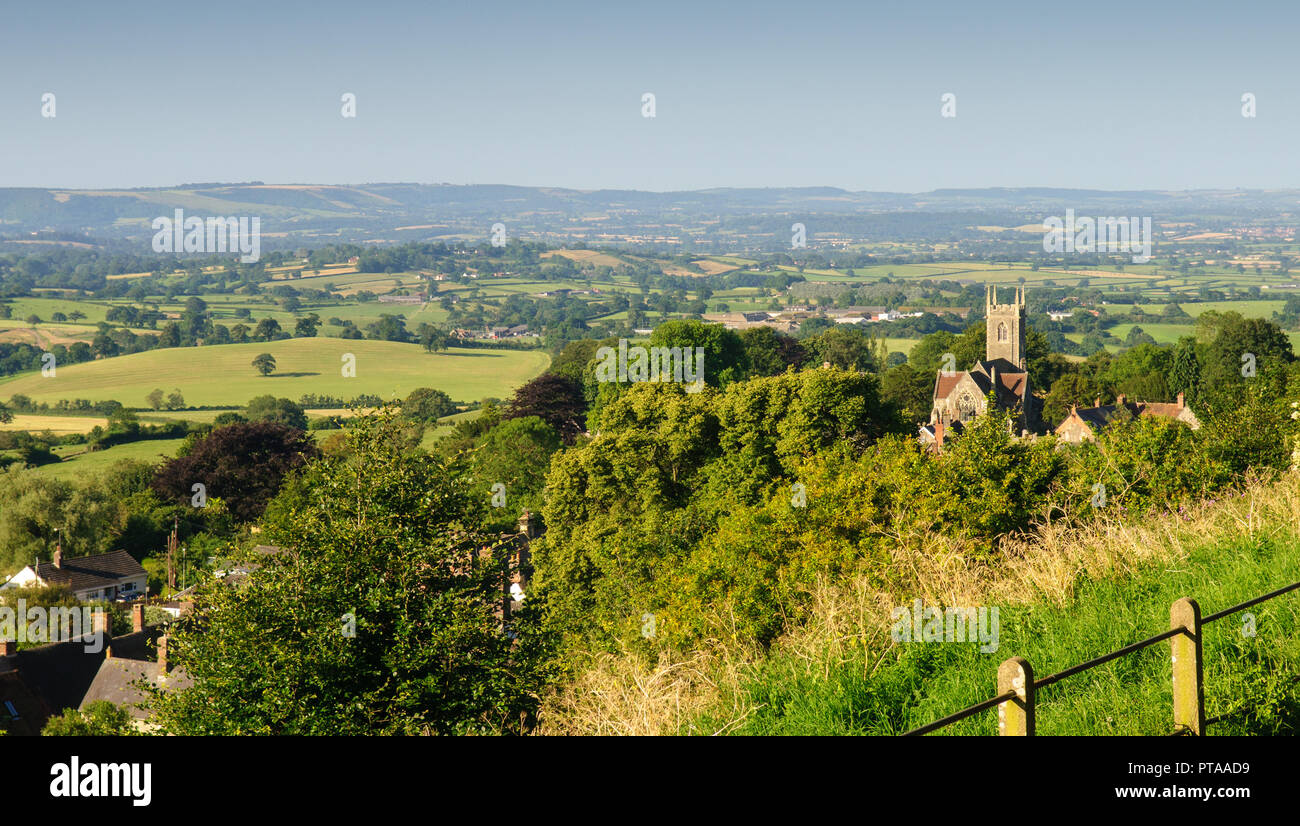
155	398
427	405
175	401
265	363
33	319
388	328
100	719
267	330
281	411
432	338
306	326
244	464
383	603
556	400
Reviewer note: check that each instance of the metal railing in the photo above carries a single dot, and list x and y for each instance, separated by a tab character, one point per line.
1017	687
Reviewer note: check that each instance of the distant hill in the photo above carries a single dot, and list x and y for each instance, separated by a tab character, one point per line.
397	212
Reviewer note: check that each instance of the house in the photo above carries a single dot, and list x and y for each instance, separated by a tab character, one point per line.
44	681
1083	424
961	395
98	577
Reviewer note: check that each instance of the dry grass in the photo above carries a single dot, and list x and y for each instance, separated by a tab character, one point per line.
630	694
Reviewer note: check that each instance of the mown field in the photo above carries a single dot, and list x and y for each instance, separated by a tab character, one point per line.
224	375
78	464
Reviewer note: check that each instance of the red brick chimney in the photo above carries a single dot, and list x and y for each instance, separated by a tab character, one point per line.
1181	403
1096	402
8	647
104	625
137	617
939	431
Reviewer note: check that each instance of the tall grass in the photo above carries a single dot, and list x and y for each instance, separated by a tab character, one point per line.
1065	594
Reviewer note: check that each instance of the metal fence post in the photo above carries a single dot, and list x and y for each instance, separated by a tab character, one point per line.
1016	716
1189	693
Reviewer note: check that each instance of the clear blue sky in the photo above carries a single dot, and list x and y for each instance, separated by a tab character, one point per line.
1098	95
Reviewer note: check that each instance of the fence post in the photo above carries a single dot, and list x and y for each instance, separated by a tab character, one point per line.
1189	693
1016	716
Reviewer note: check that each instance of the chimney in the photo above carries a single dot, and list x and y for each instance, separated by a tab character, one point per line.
1119	400
1181	403
826	365
10	647
162	655
939	431
58	556
137	617
1096	402
104	625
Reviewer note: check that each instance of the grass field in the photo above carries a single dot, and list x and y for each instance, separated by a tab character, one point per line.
224	374
78	466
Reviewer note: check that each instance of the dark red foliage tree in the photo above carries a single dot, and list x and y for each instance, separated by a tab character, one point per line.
243	464
556	400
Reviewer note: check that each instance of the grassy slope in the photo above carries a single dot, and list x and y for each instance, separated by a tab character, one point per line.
224	375
913	684
77	467
1064	596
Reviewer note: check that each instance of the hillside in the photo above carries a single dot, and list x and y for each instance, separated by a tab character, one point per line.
224	375
1065	596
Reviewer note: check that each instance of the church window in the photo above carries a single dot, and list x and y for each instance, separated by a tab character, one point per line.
1002	332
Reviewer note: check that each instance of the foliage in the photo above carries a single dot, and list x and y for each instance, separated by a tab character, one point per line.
392	542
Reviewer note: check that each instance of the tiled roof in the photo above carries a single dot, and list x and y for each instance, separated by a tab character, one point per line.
91	572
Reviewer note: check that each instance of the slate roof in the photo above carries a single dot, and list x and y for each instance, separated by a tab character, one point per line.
118	682
91	572
32	713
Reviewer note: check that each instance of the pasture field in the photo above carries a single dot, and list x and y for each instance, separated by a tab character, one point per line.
78	465
224	375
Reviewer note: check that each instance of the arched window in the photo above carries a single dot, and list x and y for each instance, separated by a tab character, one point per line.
1002	331
966	406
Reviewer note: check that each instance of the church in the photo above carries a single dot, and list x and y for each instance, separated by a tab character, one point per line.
961	395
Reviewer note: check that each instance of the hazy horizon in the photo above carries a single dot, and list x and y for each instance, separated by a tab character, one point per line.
1108	97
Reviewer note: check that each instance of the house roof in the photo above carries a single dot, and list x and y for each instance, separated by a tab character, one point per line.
1098	417
91	572
32	713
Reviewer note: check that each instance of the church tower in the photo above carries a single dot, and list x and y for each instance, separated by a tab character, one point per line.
1005	328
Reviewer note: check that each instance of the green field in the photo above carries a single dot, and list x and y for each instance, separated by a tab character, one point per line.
77	465
223	375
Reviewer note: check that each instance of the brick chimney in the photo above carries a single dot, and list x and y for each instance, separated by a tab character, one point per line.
1096	402
8	647
1181	403
58	556
137	617
104	625
939	431
1119	400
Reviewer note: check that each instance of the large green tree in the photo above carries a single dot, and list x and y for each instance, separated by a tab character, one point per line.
376	618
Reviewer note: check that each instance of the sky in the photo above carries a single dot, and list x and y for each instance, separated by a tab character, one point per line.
1096	95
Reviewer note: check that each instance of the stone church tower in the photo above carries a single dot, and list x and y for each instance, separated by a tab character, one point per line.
1003	375
1005	328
